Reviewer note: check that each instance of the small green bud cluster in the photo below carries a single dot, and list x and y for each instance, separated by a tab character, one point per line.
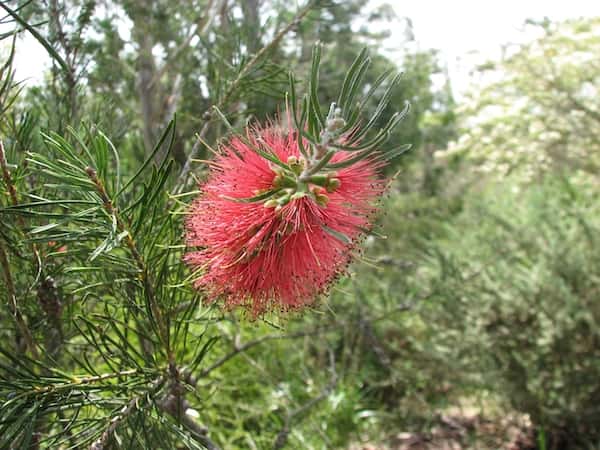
311	174
289	186
296	164
335	121
333	125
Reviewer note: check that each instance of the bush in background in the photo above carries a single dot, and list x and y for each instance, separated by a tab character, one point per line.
517	302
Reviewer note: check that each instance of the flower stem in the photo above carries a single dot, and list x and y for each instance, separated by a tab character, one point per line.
314	169
12	302
10	286
139	260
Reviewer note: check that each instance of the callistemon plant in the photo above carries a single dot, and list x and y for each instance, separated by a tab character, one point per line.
111	347
285	204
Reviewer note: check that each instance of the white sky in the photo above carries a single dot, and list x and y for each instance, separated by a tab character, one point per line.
472	31
465	31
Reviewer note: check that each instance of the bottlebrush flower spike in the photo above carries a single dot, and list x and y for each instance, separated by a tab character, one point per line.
276	255
281	213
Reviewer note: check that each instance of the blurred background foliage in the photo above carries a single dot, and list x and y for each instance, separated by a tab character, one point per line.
470	320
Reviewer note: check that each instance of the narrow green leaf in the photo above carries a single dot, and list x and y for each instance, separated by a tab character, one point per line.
383	103
350	76
394	153
203	352
170	129
336	234
53	53
256	198
356	83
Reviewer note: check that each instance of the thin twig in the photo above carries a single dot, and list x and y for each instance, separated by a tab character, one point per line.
283	435
248	345
47	303
132	406
10	286
208	114
12	302
199	29
312	332
139	260
70	78
8	181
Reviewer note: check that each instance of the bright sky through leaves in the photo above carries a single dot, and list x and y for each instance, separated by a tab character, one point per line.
465	31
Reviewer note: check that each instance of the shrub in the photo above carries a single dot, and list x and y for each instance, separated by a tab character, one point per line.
517	302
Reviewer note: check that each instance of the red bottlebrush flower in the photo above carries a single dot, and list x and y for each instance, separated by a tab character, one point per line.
283	251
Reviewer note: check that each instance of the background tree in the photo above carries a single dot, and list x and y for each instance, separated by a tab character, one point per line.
538	113
141	61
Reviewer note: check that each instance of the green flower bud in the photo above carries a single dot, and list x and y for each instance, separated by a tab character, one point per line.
298	195
284	180
319	180
284	199
333	184
321	199
296	164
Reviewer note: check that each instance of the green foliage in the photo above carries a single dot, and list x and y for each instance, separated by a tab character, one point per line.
101	283
515	302
346	114
486	297
516	276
